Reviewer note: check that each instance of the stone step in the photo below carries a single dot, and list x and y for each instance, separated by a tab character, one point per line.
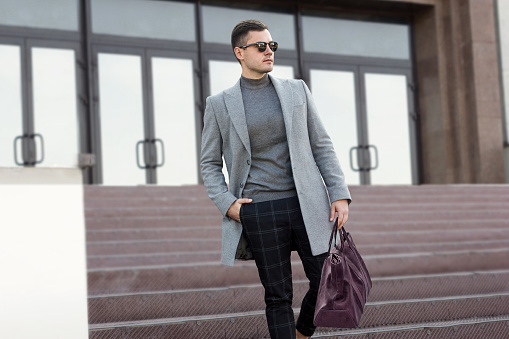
194	252
253	324
431	225
409	202
367	242
473	328
364	210
151	222
154	233
367	203
445	198
102	191
121	233
237	299
157	201
152	211
151	259
96	191
361	236
373	217
212	274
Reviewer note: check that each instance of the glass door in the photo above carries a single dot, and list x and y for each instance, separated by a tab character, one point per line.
369	115
146	111
11	114
335	96
174	111
121	117
390	126
55	107
38	91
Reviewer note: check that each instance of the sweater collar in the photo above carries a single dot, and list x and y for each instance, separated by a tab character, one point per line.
254	83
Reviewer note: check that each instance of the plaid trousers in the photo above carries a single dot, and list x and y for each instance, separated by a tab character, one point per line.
272	229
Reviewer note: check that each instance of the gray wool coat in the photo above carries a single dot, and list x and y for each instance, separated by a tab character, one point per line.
314	162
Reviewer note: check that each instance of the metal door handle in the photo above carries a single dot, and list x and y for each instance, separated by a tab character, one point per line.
141	142
376	156
358	169
33	136
20	137
154	141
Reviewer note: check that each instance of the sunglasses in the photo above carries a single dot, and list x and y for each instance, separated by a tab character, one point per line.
262	46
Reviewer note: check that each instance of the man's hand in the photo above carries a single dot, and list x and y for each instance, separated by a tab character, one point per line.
341	207
234	210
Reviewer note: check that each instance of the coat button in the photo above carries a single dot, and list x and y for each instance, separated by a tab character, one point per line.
249	162
241	185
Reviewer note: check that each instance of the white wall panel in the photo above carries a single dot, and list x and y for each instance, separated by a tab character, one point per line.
42	254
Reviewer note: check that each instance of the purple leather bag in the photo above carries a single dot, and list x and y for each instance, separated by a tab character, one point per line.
344	286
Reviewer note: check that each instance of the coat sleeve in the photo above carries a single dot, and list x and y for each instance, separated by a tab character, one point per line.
324	153
212	161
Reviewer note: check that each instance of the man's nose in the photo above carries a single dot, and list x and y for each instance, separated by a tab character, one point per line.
268	51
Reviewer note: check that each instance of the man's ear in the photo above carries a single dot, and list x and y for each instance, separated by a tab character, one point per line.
239	53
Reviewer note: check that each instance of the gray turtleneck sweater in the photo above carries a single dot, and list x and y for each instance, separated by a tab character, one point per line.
270	176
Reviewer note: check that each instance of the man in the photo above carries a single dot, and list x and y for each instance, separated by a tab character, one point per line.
276	152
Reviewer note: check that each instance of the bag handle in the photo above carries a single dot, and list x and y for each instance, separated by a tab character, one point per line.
333	236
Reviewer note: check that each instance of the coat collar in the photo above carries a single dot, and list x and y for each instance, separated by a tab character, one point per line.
235	107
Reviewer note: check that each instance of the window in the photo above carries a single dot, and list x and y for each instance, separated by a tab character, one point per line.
218	23
356	38
49	14
167	20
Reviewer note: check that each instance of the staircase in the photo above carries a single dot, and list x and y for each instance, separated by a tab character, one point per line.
438	257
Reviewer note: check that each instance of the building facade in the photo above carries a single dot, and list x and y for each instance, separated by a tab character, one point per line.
411	91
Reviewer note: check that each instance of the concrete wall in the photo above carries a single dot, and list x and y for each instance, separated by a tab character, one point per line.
43	285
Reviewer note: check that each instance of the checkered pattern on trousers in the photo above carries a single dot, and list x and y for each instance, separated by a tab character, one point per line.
273	229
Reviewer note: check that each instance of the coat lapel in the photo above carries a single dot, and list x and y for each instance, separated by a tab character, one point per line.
235	107
285	94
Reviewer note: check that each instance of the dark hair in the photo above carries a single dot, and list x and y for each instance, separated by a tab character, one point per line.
241	30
